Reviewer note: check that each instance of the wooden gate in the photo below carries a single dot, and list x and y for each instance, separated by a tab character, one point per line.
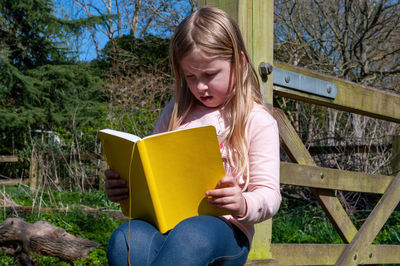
255	19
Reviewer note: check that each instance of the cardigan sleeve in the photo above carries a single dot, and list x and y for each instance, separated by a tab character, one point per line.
263	196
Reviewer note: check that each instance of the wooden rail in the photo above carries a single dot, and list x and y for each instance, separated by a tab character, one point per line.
351	97
254	18
8	159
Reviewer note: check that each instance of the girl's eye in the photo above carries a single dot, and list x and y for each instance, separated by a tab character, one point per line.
210	74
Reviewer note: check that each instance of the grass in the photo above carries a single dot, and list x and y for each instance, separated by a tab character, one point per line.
23	196
300	223
294	223
96	228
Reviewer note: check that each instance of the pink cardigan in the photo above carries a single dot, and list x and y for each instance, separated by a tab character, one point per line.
262	194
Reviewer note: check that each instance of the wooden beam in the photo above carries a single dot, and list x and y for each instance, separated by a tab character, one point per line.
231	7
262	42
327	254
349	149
327	178
396	154
8	159
255	19
261	244
12	182
262	262
34	170
351	97
327	199
358	248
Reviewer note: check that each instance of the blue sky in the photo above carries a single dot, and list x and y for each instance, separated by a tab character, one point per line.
87	51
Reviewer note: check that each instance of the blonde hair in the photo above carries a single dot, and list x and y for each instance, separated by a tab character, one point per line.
217	35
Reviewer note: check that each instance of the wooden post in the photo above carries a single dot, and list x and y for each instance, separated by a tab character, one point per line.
102	177
256	22
34	170
396	155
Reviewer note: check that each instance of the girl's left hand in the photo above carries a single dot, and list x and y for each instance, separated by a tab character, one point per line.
228	196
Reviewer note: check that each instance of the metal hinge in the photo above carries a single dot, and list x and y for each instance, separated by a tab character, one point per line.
303	83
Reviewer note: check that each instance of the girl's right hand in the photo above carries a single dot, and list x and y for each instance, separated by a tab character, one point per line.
116	188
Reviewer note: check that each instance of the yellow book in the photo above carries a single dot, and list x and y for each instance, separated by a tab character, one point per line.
168	173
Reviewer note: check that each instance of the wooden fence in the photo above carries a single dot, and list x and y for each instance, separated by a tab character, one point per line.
324	181
255	19
9	159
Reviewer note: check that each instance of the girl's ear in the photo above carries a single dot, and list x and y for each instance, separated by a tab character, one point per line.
244	59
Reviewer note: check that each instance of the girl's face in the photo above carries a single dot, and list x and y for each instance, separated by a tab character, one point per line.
210	80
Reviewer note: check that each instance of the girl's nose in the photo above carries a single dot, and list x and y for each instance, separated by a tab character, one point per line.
201	86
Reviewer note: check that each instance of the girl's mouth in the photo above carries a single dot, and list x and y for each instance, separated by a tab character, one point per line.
205	98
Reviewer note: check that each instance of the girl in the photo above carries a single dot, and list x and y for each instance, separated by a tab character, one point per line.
215	85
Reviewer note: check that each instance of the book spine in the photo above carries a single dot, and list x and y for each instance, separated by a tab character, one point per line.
161	223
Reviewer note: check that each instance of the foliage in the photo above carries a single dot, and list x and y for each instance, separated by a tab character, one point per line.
136	19
6	260
390	232
134	54
96	228
41	86
50	198
299	223
28	31
140	82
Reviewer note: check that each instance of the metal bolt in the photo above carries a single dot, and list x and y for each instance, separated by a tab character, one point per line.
322	175
287	79
355	256
329	89
264	69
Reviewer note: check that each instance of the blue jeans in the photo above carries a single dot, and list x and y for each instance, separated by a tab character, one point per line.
200	240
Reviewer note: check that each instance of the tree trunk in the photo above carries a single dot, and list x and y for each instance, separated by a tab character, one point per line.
18	238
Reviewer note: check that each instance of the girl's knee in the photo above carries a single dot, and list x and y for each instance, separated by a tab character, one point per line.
130	230
199	231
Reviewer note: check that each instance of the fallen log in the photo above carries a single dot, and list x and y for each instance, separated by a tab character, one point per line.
18	238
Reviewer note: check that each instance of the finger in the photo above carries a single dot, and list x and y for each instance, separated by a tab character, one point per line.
110	174
117	192
118	198
220	192
225	201
112	183
227	181
224	192
232	207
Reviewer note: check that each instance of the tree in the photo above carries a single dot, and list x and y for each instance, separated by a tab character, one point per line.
137	18
41	86
357	40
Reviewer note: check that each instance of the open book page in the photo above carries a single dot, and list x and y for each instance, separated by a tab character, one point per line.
121	134
169	132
